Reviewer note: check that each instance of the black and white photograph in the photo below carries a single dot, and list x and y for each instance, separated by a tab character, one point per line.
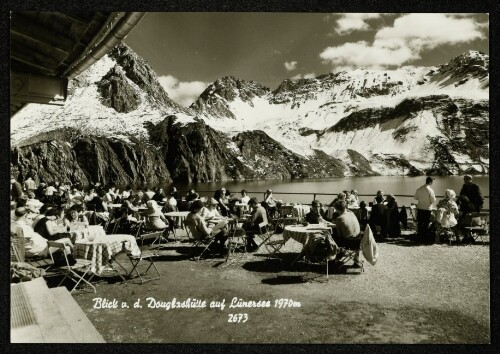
249	177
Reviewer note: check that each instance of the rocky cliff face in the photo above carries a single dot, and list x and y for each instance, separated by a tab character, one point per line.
116	92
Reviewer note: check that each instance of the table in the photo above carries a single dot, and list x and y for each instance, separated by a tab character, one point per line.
309	236
182	215
103	248
89	233
242	207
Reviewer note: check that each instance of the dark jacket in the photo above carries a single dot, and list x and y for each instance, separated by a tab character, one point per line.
473	192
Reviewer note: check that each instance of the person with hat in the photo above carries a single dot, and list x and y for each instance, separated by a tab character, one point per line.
472	192
426	198
199	229
155	220
258	216
210	213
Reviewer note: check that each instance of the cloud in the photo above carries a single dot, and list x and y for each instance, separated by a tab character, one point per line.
350	22
290	65
305	76
404	41
183	93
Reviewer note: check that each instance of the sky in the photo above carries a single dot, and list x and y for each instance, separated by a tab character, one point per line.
189	51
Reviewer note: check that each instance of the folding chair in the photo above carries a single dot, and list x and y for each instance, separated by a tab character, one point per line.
478	230
144	233
272	245
349	253
148	257
236	240
70	271
204	242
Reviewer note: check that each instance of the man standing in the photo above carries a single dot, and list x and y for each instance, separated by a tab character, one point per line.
29	184
16	190
472	191
425	197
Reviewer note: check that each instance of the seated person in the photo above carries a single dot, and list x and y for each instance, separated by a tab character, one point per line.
352	199
47	227
244	197
223	201
155	220
35	245
379	217
347	230
33	203
75	215
199	228
210	213
257	216
316	215
363	215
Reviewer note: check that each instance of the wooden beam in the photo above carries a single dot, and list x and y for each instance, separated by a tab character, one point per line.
37	89
26	28
27	60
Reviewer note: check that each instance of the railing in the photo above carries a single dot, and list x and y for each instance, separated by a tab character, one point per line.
315	195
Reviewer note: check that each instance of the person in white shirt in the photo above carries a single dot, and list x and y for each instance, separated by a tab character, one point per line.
425	197
244	197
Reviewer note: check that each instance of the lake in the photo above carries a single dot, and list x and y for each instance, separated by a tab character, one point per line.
367	187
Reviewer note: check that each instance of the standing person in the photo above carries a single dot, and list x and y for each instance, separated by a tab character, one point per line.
425	197
29	184
472	191
379	216
393	227
270	203
17	189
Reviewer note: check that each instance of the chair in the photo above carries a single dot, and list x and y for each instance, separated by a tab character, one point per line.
145	233
197	241
478	225
236	240
71	271
147	257
18	252
272	245
349	253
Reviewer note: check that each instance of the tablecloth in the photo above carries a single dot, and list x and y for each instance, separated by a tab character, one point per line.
103	248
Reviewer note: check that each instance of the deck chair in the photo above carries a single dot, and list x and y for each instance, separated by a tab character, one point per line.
71	271
146	257
478	225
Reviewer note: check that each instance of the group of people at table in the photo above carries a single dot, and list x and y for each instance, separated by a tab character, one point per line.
50	211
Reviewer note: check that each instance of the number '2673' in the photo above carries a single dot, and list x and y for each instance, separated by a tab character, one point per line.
237	318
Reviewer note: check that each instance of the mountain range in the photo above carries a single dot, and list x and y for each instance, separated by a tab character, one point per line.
120	126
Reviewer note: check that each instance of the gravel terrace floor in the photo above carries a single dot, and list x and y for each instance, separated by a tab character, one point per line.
414	294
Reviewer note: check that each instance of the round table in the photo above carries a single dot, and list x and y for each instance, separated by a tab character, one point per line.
88	233
308	235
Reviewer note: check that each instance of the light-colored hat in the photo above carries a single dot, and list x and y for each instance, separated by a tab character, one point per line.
469	177
450	194
152	206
